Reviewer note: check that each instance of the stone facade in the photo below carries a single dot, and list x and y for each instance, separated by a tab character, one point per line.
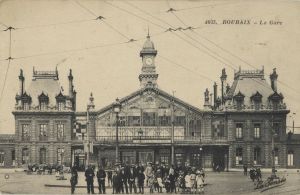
239	127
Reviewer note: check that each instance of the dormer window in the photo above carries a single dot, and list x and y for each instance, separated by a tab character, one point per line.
43	101
239	100
26	101
256	99
61	101
275	99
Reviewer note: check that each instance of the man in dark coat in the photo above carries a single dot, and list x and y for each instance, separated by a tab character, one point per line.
74	179
124	177
132	174
89	177
101	180
141	180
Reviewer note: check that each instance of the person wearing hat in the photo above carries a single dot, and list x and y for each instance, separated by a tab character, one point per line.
74	179
124	179
101	180
132	174
89	178
141	180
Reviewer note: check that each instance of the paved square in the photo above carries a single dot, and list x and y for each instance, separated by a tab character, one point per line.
218	183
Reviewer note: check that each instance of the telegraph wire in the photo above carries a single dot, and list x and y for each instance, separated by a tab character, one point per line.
132	40
8	59
54	24
173	29
187	40
173	10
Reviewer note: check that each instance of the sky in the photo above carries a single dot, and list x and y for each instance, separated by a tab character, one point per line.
65	34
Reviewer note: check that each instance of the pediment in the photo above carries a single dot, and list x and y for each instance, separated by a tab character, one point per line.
151	99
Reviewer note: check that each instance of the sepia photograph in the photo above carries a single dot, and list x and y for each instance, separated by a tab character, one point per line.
150	97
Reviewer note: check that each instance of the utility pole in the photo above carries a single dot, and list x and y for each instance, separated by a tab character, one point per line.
87	136
172	131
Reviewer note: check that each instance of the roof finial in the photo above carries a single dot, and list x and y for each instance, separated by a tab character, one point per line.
148	36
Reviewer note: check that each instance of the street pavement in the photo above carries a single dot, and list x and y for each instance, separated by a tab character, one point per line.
217	183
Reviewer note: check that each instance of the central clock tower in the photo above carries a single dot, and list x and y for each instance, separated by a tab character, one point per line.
148	75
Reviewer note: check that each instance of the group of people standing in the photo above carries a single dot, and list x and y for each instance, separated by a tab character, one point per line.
133	178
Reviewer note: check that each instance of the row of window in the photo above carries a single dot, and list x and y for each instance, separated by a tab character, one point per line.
43	131
257	158
44	106
256	130
42	156
151	119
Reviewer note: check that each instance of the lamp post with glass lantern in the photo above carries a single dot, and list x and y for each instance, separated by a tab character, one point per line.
201	156
117	108
140	133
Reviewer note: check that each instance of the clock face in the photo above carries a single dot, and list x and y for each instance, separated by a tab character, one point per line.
148	61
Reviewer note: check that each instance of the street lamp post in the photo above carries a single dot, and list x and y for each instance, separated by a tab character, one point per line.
117	109
201	156
140	133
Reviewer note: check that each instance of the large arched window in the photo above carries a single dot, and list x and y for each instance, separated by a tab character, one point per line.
43	156
25	156
290	160
43	100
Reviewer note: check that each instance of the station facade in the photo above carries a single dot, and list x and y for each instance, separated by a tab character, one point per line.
238	127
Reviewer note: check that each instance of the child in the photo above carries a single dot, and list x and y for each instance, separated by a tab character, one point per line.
188	184
200	181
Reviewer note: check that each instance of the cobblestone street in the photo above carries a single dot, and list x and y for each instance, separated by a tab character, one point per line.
218	183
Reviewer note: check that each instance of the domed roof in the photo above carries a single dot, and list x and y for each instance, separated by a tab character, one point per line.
148	48
148	44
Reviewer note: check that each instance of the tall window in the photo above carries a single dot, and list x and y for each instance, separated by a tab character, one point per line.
1	158
276	156
60	155
122	121
290	159
61	105
25	156
239	131
257	156
256	131
25	132
276	128
43	156
164	120
43	105
60	131
179	121
239	156
164	159
149	118
134	120
43	132
25	106
196	159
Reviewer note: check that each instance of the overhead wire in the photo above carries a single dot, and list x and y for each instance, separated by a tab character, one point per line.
165	58
257	81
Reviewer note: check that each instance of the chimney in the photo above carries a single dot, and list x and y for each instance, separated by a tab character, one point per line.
273	78
223	80
21	81
215	93
206	99
227	88
70	84
210	99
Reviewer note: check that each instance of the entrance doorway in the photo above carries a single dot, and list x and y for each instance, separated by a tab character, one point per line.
79	159
219	159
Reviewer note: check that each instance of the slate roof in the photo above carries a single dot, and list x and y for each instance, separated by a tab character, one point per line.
249	83
48	85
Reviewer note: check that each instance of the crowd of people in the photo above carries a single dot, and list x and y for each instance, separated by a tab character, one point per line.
133	178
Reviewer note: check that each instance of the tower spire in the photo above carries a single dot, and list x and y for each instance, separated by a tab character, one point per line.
148	36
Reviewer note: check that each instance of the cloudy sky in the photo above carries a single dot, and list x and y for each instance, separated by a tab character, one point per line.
64	33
